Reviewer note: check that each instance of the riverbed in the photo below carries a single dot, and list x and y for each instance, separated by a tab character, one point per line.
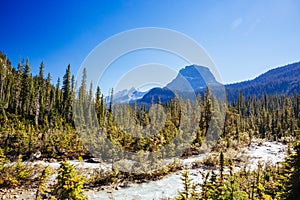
170	185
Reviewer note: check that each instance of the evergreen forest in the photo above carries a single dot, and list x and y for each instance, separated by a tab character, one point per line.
44	119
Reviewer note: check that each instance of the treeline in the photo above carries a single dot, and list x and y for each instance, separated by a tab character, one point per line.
35	114
34	98
272	116
39	116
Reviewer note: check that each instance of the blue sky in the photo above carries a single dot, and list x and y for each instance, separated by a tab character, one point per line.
243	38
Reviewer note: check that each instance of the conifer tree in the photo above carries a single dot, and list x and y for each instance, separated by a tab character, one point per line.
291	175
102	110
48	92
57	95
69	186
97	103
41	91
66	90
187	193
222	164
26	86
17	89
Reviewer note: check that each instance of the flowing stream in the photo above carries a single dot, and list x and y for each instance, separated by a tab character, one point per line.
169	186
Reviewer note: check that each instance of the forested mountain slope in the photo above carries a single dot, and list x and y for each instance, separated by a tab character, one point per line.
282	80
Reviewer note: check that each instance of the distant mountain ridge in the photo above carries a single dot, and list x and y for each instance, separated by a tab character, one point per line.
193	80
127	96
281	80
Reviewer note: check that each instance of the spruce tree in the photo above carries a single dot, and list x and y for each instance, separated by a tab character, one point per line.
97	103
187	193
291	175
66	90
57	96
69	185
26	86
41	92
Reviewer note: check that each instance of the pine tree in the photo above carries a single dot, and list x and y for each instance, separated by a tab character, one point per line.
42	183
48	90
187	193
57	101
37	101
222	164
16	87
291	175
3	69
69	186
207	110
97	103
26	86
82	97
41	92
102	110
66	90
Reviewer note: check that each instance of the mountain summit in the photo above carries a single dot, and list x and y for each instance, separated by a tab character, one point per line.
192	78
190	81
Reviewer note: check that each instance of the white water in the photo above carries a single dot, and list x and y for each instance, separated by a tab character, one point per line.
170	185
271	152
77	164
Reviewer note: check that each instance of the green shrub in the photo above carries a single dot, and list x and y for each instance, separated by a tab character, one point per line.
69	184
13	175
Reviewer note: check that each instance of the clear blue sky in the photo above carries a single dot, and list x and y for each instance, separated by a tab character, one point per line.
243	38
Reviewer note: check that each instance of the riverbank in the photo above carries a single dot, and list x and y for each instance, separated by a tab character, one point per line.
166	186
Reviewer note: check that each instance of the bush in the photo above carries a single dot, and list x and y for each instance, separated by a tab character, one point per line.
16	174
69	184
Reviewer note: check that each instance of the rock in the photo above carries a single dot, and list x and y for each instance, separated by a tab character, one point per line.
123	184
260	144
36	155
52	160
94	160
46	196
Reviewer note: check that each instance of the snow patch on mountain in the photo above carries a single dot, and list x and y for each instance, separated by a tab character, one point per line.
128	96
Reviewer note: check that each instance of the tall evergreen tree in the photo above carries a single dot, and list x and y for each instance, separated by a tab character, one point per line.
57	95
97	103
66	90
26	86
291	175
41	91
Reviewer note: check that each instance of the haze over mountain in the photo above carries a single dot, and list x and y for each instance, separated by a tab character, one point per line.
127	96
189	81
193	79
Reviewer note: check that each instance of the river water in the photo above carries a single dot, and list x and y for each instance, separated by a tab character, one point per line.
170	185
